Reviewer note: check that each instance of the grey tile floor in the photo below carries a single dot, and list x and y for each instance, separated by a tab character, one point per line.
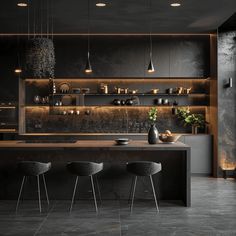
213	212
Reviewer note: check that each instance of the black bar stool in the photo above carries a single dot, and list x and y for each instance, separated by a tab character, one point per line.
143	168
33	168
84	168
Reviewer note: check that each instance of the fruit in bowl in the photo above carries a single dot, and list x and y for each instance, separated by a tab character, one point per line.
168	137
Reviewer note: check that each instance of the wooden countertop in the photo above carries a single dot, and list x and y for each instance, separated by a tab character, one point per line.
94	145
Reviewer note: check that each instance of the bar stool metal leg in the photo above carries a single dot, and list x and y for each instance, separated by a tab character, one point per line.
40	208
133	193
45	187
98	187
21	188
94	195
154	193
73	196
131	189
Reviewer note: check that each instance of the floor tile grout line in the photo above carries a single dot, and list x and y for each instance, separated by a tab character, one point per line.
40	226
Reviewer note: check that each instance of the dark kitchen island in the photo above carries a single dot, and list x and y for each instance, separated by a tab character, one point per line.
172	183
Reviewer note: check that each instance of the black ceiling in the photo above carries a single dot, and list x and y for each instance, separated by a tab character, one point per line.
123	16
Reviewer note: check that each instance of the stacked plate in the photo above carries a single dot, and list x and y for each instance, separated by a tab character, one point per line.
122	141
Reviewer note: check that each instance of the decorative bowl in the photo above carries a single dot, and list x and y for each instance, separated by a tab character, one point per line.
122	141
85	90
169	139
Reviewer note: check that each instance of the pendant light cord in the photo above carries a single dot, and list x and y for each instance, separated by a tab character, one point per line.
52	19
150	26
34	18
28	19
88	28
47	18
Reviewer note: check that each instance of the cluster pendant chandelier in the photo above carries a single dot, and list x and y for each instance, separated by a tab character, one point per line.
150	68
40	55
88	67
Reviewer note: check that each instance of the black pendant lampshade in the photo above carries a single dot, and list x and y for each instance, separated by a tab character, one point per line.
151	68
88	68
18	69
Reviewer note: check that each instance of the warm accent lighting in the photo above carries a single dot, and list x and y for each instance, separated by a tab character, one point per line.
88	67
175	4
226	164
101	4
22	4
18	70
151	67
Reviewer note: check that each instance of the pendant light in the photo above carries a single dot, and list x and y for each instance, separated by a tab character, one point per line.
18	69
88	67
150	68
40	53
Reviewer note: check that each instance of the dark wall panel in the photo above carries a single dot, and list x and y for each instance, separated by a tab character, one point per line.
227	98
112	56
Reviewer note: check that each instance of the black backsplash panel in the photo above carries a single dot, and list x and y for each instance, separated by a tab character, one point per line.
102	120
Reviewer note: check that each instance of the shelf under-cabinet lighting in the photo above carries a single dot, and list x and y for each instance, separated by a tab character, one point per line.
110	106
122	79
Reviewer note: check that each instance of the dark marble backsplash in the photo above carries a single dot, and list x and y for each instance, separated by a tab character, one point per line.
227	99
102	120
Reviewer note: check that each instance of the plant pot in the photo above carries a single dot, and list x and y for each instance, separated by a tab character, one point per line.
153	135
194	129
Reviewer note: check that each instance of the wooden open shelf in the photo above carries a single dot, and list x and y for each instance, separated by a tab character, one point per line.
29	87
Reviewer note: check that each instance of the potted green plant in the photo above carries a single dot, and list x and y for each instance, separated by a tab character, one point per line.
195	120
153	135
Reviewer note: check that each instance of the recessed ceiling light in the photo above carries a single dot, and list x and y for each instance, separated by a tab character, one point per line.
22	4
175	4
101	4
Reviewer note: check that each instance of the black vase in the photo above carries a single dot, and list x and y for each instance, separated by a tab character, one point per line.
153	135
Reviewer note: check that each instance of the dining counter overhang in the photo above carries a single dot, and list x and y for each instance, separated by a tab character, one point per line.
172	183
